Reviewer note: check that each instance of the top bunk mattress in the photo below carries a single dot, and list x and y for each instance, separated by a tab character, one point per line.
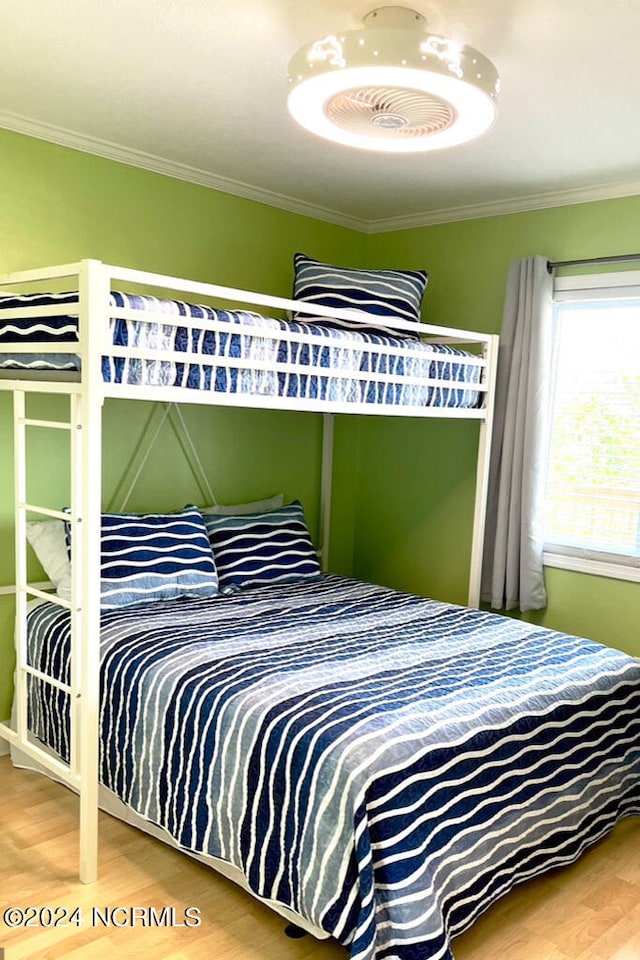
177	345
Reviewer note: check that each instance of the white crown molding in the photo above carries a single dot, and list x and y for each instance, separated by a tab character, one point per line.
497	208
170	168
181	171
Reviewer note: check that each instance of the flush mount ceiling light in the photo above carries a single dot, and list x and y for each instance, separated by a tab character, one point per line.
392	86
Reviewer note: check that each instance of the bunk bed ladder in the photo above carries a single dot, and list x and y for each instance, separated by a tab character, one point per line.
24	670
80	690
84	428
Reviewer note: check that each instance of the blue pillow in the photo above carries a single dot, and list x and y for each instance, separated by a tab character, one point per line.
262	548
382	293
154	556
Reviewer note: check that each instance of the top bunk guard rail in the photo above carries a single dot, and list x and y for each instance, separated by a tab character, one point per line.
59	272
293	336
374	379
279	303
214	291
47	310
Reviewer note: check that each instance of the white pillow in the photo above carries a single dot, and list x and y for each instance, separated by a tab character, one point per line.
47	539
240	509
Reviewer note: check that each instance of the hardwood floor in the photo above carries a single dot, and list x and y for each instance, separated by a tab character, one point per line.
589	911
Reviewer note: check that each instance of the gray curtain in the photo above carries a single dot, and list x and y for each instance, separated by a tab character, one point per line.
512	574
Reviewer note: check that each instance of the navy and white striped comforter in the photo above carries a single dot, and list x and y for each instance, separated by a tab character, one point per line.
385	765
201	344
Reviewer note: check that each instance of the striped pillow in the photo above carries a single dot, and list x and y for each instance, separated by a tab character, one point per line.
262	548
382	293
154	556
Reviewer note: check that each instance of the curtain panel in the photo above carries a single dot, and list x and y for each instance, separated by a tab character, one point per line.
512	575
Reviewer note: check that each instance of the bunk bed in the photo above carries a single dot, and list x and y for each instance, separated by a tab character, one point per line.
376	766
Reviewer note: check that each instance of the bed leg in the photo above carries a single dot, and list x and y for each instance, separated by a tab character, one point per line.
294	932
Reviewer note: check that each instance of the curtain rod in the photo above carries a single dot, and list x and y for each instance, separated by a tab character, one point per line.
624	258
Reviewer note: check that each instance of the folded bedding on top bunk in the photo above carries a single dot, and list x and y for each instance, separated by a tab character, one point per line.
385	765
351	357
34	330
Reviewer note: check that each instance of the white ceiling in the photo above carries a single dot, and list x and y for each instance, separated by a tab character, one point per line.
197	89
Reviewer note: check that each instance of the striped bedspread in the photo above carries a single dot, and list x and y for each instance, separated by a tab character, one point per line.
351	358
386	765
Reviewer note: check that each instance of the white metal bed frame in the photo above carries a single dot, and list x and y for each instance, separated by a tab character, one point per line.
94	281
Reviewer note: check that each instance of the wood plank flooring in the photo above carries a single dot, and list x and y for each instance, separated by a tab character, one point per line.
589	911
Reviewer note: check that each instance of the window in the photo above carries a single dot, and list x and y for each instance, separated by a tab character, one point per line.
592	498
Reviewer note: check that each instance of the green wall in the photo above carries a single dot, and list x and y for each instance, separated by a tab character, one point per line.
403	489
415	501
58	206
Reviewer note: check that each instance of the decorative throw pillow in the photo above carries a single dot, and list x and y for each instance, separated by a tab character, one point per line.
154	556
382	293
239	509
263	548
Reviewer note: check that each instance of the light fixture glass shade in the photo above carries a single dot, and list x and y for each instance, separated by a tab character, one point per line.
392	86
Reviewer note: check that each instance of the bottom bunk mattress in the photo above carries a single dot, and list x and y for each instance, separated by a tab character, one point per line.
384	765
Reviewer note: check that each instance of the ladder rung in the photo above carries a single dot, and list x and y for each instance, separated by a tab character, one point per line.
13	589
53	424
35	591
39	675
46	511
61	769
